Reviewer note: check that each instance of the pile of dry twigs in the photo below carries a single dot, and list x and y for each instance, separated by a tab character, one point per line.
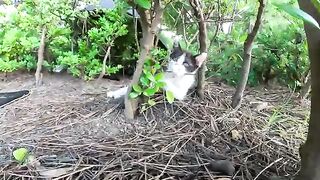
89	138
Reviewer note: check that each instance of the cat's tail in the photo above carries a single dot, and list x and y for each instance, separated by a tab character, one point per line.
119	93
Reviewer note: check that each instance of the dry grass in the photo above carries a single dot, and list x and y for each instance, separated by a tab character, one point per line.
187	140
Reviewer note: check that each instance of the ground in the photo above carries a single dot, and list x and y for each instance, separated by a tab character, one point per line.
74	130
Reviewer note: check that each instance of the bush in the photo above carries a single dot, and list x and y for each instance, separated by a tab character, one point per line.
81	53
279	52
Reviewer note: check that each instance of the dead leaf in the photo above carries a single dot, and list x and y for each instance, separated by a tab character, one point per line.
235	134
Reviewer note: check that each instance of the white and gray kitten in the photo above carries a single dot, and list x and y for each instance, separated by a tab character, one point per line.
179	76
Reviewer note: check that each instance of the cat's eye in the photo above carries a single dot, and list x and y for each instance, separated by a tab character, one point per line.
185	64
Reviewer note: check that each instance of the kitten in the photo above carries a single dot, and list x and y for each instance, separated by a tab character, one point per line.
180	75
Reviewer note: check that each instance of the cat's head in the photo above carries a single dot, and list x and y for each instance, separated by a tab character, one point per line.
182	62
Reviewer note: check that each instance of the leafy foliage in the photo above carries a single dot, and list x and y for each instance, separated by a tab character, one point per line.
77	40
86	62
151	80
146	4
297	13
81	55
279	52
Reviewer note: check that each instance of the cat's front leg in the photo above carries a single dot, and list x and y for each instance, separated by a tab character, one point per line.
180	95
117	93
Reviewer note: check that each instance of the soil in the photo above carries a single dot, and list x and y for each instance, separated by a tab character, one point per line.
54	107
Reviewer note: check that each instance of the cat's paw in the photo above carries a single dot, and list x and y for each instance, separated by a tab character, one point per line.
180	96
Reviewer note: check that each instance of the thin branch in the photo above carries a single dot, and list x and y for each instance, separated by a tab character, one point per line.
196	6
103	72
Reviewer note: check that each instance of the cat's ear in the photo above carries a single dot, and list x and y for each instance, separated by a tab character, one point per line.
201	58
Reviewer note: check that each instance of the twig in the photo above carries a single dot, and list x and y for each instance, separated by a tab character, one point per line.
271	164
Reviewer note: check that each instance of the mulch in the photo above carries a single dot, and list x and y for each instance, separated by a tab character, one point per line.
84	135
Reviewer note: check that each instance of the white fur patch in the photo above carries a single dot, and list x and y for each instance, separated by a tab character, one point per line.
118	93
179	85
177	67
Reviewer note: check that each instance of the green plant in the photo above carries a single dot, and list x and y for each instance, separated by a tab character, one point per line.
86	62
16	46
82	56
20	155
280	52
151	80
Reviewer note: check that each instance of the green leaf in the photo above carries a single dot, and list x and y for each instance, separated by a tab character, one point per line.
133	95
297	13
150	76
149	92
169	97
157	66
153	70
184	44
160	84
166	40
151	102
316	4
20	154
159	76
144	80
146	4
137	88
166	36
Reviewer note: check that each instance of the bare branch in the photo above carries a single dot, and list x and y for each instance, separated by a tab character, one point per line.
203	43
41	49
248	44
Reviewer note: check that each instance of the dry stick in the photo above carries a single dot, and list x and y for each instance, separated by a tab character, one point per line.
217	24
193	38
203	44
233	13
248	45
147	42
215	34
38	73
175	153
267	167
103	72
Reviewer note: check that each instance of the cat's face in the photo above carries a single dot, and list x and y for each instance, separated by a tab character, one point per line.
182	62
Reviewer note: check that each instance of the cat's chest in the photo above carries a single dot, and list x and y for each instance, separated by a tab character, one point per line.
185	81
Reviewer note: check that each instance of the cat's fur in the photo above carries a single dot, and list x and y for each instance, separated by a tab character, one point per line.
180	75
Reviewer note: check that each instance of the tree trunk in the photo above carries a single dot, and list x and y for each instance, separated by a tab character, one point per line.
41	49
306	87
148	29
203	44
248	44
310	151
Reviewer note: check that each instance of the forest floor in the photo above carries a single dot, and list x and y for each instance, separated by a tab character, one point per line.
74	131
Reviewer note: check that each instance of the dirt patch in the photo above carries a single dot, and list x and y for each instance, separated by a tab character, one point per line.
71	123
63	105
